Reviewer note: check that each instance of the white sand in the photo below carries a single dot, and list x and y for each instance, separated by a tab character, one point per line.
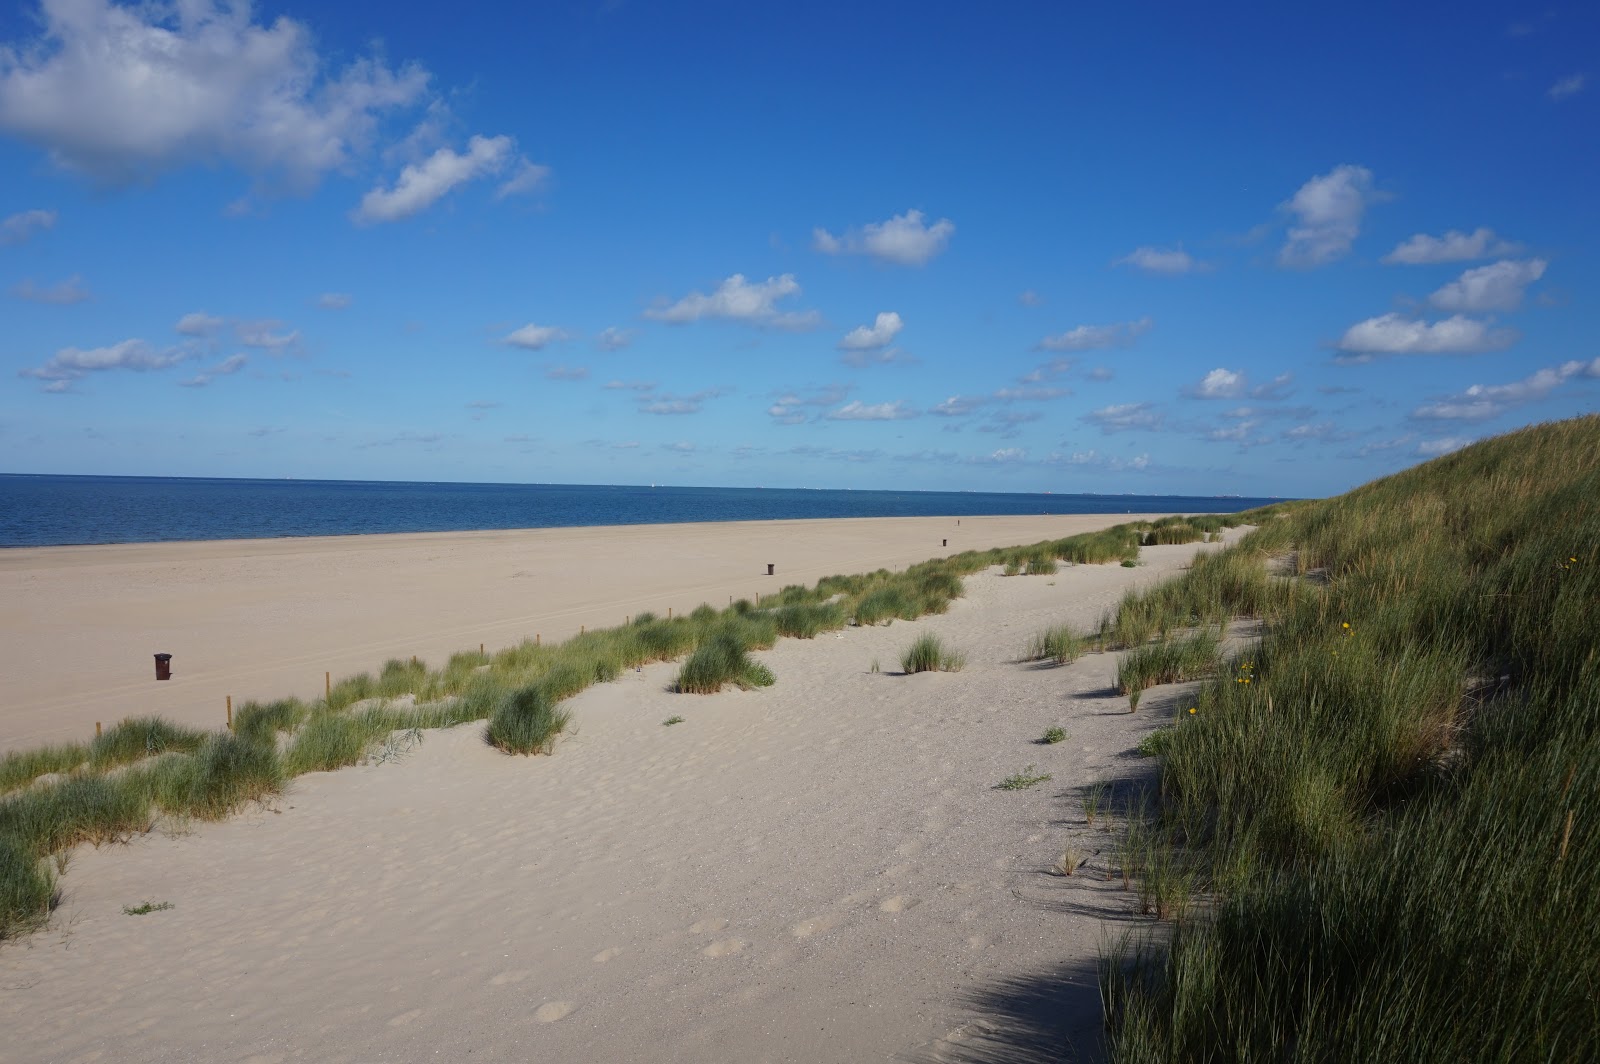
265	619
819	871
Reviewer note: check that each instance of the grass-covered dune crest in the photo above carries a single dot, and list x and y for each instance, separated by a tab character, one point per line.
1391	804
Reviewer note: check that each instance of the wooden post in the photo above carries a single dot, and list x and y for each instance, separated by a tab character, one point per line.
97	729
480	650
669	613
536	639
583	629
230	713
413	661
327	685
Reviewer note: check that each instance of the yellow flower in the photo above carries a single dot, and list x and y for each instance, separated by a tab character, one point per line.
1191	709
1347	624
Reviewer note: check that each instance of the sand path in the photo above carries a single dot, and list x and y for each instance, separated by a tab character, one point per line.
820	871
265	619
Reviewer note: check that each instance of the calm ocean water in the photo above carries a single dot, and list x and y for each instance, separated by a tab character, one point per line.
38	511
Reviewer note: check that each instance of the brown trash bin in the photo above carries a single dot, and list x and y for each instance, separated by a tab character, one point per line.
163	666
770	567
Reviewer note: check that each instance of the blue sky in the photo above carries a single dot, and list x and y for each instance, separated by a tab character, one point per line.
1143	248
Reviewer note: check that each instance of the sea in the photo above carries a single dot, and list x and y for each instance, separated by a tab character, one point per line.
48	510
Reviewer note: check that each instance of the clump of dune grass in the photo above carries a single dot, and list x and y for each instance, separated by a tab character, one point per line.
224	774
259	722
718	662
885	605
21	767
332	740
1059	645
27	888
93	809
1192	657
929	654
1052	735
1021	781
1403	794
140	737
527	722
808	620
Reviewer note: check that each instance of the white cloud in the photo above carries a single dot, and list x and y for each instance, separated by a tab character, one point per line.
1092	337
856	410
22	225
1161	260
736	299
904	240
630	386
1495	287
528	177
1095	460
227	367
265	335
334	300
1004	456
888	356
1483	401
1328	211
198	323
613	339
874	337
1277	388
1321	432
1124	417
1394	334
420	185
1568	86
71	363
567	373
1444	445
1219	384
1454	246
119	91
64	294
533	337
680	447
959	405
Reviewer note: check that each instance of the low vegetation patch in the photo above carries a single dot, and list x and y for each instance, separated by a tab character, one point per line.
1059	645
1021	781
719	662
1053	735
1192	657
928	654
146	907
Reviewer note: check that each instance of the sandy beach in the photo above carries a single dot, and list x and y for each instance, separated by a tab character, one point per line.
264	619
819	871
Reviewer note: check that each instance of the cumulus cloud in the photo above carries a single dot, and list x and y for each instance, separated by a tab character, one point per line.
1495	287
672	405
64	294
1328	211
122	91
1395	334
1454	246
1092	337
334	300
1161	260
72	363
20	226
905	240
874	337
567	373
528	177
1093	459
613	338
420	185
265	335
1484	401
198	323
1004	456
1444	445
226	368
533	337
736	299
1124	417
959	405
1568	86
1219	384
856	410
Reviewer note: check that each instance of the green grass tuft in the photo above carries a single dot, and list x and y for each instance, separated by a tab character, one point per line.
27	888
1052	735
1021	781
718	662
928	654
527	722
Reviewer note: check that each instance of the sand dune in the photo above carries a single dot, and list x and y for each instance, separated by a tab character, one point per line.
265	619
818	871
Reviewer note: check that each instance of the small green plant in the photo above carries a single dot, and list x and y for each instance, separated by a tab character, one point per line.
1072	858
718	662
928	654
1094	800
1156	743
1021	781
147	907
1059	645
1052	735
1129	563
527	722
670	721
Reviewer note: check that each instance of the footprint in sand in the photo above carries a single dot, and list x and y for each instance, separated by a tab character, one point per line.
706	926
607	954
825	922
724	947
510	977
551	1011
899	903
